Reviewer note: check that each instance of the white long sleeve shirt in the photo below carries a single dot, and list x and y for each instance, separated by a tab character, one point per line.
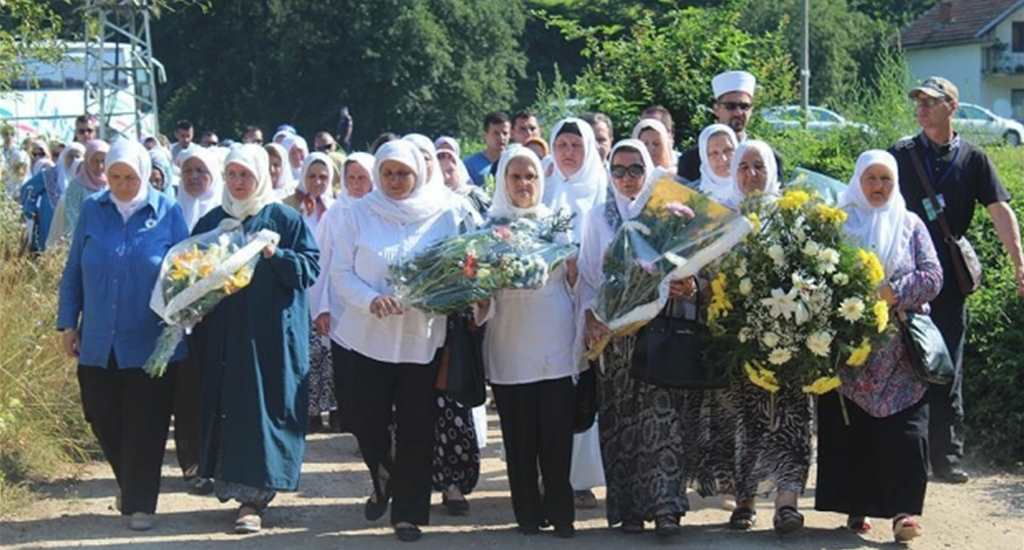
359	273
324	298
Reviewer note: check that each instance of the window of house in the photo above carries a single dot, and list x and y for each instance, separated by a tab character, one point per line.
1017	104
1018	36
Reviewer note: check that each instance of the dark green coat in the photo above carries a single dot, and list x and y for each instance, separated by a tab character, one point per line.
253	351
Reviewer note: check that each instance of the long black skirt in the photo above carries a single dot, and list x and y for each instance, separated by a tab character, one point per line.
873	467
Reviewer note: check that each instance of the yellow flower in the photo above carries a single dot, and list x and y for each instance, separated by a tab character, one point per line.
872	265
762	378
793	199
829	214
881	311
755	221
178	273
823	385
719	298
205	269
238	281
860	354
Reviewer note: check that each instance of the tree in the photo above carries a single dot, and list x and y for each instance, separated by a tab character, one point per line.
27	31
400	65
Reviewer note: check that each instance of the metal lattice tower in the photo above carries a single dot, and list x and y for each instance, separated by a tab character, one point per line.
120	87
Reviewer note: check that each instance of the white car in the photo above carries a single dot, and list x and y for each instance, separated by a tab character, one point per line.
821	119
981	126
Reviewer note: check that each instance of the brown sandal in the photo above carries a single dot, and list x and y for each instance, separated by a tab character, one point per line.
787	520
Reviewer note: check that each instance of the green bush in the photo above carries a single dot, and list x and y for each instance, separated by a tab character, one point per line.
41	423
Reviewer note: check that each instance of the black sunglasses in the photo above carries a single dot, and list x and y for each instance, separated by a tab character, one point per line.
736	106
38	154
634	170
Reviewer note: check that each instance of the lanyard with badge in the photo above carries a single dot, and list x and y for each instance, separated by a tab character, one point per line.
929	208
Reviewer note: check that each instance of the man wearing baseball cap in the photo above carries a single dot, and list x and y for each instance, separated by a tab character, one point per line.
734	103
961	176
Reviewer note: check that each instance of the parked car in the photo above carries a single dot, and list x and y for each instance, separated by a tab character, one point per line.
981	126
820	120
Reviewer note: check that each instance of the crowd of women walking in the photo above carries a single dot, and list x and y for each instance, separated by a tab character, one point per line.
319	329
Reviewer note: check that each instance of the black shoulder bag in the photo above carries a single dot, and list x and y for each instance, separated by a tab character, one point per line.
927	349
669	351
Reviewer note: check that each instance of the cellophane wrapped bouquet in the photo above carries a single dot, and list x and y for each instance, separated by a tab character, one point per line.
196	275
678	233
797	300
453	274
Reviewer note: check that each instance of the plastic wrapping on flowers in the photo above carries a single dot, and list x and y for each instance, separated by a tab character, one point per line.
196	275
453	274
678	233
796	303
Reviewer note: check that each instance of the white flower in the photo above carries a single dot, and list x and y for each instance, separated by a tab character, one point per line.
829	255
746	286
777	254
779	356
799	283
840	279
741	270
745	334
819	343
780	303
799	233
811	248
801	313
852	309
770	339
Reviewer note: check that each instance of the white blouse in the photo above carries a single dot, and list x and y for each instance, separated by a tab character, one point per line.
324	298
359	273
530	333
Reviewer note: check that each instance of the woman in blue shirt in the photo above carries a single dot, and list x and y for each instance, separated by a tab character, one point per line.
119	242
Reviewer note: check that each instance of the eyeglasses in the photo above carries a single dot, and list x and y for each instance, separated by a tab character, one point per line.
84	131
633	170
38	154
736	106
326	148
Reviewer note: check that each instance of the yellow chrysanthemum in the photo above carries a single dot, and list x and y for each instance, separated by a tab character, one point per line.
755	221
720	302
238	281
881	311
823	385
830	214
178	273
872	265
860	354
762	378
205	269
793	199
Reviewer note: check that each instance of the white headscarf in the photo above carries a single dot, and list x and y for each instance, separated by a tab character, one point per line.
133	155
285	179
196	207
463	182
66	173
583	189
720	189
666	138
326	160
289	143
502	207
424	202
876	228
452	143
771	184
254	158
308	203
426	146
362	159
40	165
631	208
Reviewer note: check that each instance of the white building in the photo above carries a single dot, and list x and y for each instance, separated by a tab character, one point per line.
978	45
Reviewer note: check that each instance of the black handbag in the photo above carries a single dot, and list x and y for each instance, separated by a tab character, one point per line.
670	352
586	400
465	368
926	347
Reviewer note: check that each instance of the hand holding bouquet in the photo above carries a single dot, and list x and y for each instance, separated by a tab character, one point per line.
796	300
453	274
196	275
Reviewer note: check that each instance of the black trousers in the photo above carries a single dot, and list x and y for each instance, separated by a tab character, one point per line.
187	416
341	362
536	427
407	390
129	413
946	402
875	467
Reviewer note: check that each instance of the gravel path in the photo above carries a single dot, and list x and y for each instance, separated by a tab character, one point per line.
327	512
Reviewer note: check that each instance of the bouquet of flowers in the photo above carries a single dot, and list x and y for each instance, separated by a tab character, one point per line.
455	273
679	232
796	300
196	275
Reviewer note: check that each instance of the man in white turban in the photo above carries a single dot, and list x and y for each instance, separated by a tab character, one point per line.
734	103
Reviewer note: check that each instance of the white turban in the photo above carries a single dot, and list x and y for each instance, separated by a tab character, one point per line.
733	81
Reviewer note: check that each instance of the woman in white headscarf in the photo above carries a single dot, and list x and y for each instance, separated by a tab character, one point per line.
876	465
281	177
41	195
456	176
297	150
163	178
530	365
658	141
577	184
325	302
202	183
90	178
254	349
717	145
754	170
395	350
646	474
312	198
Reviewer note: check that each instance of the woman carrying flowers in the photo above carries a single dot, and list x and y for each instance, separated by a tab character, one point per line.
873	459
254	350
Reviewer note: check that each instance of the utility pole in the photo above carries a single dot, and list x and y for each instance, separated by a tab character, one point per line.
805	65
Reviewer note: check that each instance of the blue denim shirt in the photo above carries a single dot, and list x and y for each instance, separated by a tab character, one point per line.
109	276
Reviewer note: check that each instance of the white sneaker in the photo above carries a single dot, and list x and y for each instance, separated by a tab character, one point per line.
140	521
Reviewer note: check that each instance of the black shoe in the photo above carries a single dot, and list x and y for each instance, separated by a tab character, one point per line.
202	486
375	508
455	507
408	533
667	526
955	476
528	530
565	531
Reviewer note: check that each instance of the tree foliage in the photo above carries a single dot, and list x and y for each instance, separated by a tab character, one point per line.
27	30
